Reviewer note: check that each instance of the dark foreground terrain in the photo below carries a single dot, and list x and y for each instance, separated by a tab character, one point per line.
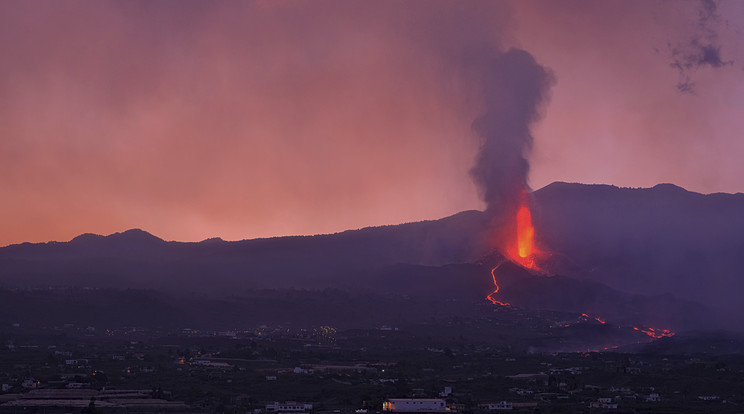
497	357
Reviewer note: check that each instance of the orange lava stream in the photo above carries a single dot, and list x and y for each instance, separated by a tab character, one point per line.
524	254
490	297
656	333
596	318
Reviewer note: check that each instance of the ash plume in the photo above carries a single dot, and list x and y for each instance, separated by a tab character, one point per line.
514	88
508	84
465	41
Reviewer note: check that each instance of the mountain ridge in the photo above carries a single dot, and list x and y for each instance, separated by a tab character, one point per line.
655	241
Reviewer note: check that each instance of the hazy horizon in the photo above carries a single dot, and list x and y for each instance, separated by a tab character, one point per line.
251	119
373	225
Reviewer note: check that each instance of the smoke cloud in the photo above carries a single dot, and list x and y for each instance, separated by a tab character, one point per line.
507	88
701	49
514	87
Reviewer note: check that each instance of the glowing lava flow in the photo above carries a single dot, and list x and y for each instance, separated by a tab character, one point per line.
586	317
656	333
524	253
525	248
490	297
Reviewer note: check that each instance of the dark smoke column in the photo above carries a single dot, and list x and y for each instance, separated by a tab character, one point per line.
514	87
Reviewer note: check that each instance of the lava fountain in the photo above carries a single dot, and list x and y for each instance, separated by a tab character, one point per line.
525	237
520	247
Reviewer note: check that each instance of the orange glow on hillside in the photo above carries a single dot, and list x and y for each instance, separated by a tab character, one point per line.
655	333
587	317
518	246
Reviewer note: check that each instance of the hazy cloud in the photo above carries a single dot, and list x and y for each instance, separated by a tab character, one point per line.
701	48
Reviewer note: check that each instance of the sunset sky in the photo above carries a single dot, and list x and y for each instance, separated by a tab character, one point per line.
238	119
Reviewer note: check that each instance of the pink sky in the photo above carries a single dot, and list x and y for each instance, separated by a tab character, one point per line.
194	119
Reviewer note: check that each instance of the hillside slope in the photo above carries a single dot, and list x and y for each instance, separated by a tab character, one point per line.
655	241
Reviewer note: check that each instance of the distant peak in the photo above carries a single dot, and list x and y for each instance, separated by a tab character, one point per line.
669	188
213	240
134	234
86	237
561	185
564	184
128	235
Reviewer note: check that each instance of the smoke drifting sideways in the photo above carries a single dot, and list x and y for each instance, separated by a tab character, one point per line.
702	49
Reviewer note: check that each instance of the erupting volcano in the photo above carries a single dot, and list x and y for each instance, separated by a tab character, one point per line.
518	246
514	87
520	249
525	232
524	253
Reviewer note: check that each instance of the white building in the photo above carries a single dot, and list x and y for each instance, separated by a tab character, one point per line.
415	405
612	406
605	403
289	407
501	405
653	398
708	397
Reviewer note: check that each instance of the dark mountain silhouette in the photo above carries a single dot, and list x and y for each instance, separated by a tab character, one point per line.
137	259
655	241
649	254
